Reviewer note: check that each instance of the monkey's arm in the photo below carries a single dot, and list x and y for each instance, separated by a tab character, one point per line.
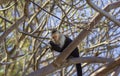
55	46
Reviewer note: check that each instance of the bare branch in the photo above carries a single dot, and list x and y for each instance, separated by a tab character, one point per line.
6	20
106	68
14	26
116	72
106	14
89	60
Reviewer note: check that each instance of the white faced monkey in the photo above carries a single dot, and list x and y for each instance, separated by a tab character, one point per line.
60	42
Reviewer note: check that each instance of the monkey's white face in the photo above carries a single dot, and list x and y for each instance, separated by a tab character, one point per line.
56	37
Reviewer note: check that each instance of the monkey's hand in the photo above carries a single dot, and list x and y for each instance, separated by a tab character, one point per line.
52	43
54	46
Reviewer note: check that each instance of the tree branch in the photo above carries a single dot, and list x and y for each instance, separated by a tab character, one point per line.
6	20
14	26
106	68
116	71
106	14
69	62
89	60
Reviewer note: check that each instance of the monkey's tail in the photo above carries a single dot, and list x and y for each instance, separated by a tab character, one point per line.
79	69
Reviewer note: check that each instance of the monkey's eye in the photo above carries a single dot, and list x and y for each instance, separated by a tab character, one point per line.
54	37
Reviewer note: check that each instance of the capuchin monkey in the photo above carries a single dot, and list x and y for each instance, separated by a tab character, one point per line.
60	42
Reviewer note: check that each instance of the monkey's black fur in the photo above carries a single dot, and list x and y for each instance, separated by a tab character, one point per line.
54	30
75	53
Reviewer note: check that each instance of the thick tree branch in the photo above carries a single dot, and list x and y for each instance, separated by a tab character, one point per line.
116	72
69	62
106	68
89	60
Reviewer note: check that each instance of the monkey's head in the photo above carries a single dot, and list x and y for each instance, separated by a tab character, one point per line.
55	34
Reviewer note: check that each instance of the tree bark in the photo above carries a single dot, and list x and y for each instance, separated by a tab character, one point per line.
106	68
